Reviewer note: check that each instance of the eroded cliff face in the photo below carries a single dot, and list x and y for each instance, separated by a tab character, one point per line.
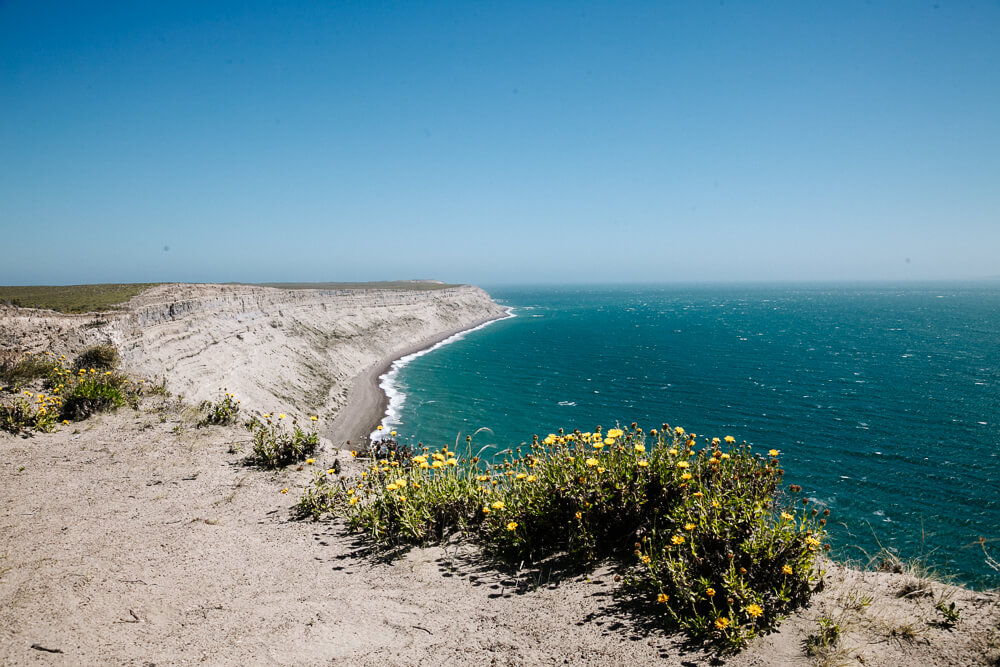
277	349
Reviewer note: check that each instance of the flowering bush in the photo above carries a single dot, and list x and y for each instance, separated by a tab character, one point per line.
24	415
65	394
274	446
705	534
222	412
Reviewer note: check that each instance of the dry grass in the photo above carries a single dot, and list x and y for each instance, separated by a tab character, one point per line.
72	298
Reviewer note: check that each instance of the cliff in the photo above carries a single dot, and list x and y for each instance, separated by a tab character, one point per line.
294	350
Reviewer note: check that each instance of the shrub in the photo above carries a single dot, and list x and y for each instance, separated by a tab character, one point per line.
99	357
324	491
69	395
222	412
23	415
708	541
93	392
274	447
30	367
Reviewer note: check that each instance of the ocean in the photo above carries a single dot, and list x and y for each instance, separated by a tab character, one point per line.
883	399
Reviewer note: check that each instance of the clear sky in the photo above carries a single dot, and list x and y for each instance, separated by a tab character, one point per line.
498	142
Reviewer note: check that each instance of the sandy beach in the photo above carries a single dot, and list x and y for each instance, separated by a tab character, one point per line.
366	403
137	538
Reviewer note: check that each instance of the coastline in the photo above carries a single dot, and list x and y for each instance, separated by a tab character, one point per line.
140	533
366	401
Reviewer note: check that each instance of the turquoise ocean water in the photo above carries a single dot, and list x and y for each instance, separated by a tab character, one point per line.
884	400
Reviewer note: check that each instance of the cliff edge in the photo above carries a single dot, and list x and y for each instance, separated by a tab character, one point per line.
294	350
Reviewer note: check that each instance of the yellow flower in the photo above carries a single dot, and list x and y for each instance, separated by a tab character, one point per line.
600	469
677	539
437	464
354	499
532	478
773	452
310	461
379	428
643	464
314	418
683	464
512	526
498	505
697	494
686	476
609	441
353	454
281	416
285	490
715	504
402	499
579	515
786	569
391	487
721	623
672	451
679	430
640	448
724	456
710	592
486	510
689	526
662	598
599	445
452	462
730	439
754	610
591	462
392	433
645	559
482	478
401	483
615	433
66	421
424	464
785	516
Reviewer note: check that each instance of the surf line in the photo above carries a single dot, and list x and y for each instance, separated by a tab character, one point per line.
396	397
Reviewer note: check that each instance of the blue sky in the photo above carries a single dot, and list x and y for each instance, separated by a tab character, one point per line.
499	142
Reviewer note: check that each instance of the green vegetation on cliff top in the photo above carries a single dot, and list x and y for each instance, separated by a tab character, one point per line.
72	298
111	296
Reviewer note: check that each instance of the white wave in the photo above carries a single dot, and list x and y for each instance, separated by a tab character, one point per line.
387	382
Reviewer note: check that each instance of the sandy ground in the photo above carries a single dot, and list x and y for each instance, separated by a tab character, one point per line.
140	540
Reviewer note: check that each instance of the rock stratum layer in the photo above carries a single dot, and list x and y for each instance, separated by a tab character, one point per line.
276	349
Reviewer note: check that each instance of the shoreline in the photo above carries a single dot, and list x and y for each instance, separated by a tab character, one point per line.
367	403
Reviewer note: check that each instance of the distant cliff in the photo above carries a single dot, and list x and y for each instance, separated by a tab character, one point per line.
277	349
